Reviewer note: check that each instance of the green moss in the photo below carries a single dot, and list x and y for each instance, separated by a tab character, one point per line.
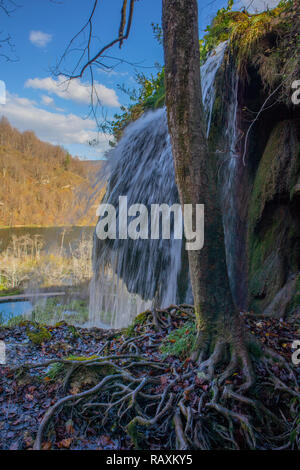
82	358
179	342
41	335
139	320
59	324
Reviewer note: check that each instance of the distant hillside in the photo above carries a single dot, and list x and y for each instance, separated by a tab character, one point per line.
42	184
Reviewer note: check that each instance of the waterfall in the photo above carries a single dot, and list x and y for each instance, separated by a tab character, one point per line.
132	275
233	185
208	74
228	183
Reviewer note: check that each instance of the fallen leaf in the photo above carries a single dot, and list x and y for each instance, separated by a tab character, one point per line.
46	445
65	443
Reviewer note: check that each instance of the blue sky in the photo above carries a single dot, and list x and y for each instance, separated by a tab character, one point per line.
40	31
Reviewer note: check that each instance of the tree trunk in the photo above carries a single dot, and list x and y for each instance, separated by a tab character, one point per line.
196	169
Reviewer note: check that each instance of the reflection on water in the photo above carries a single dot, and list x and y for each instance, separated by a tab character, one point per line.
10	310
48	311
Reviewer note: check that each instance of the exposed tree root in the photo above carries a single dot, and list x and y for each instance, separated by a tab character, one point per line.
173	404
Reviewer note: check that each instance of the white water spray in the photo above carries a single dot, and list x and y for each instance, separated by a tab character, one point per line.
208	74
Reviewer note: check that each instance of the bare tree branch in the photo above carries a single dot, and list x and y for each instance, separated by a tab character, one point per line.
86	51
87	59
123	21
7	7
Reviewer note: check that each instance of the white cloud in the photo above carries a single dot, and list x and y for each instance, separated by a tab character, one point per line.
50	126
47	100
2	92
75	90
40	39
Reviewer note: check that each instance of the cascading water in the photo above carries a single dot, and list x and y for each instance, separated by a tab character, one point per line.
232	186
131	275
228	184
208	75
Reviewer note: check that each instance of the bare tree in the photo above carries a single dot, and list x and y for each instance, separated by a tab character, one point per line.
7	7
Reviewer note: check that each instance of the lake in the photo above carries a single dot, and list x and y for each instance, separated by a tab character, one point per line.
63	261
9	310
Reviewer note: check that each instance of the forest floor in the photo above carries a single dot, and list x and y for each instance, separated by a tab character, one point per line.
26	394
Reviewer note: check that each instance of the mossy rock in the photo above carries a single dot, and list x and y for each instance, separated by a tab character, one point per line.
273	224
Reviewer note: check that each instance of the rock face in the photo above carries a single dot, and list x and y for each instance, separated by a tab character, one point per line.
265	214
273	242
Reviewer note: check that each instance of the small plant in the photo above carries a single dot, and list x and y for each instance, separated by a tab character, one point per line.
73	331
54	371
13	321
150	95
